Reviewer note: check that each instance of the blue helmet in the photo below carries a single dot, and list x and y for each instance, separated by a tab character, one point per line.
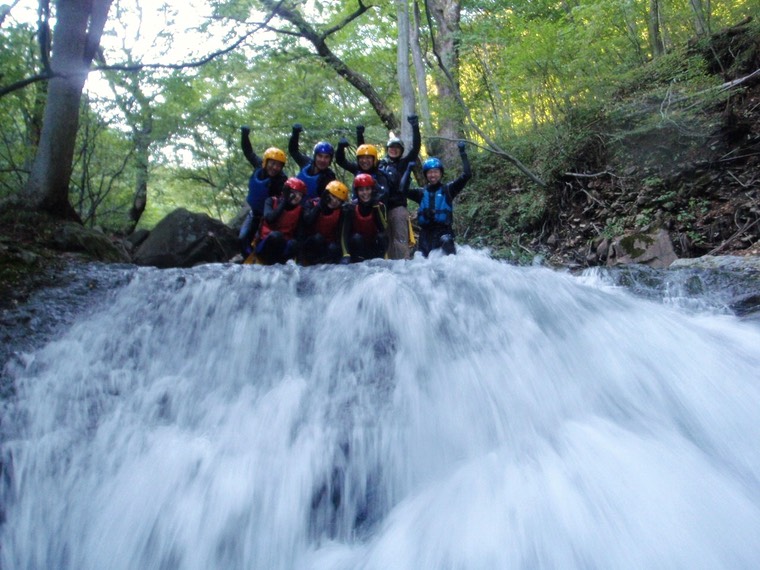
323	147
431	163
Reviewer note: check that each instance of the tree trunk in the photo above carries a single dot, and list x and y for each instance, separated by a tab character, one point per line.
420	74
446	14
404	78
655	33
701	17
79	25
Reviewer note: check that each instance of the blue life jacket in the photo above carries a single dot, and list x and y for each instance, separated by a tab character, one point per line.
440	212
311	181
258	191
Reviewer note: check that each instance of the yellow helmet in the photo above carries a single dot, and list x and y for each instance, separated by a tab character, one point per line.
367	150
273	153
338	189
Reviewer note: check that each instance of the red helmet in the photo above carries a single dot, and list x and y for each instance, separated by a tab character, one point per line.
363	180
296	184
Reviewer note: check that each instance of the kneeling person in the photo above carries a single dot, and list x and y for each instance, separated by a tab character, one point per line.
365	223
281	224
323	219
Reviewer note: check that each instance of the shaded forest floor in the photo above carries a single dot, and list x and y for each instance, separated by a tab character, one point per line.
677	148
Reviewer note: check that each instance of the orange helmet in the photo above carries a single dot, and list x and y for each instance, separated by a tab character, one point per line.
274	153
367	150
337	189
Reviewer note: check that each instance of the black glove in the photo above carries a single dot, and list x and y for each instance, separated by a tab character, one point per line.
461	145
297	128
245	130
343	141
413	120
359	129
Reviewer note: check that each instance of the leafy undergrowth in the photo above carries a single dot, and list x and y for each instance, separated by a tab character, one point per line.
677	148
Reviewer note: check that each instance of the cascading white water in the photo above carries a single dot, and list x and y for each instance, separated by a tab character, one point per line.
450	413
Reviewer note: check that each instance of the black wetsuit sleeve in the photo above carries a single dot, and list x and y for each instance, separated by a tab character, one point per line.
340	158
272	212
414	153
458	185
245	144
311	213
300	158
359	135
414	194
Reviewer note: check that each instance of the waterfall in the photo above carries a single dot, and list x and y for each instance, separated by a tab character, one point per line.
444	413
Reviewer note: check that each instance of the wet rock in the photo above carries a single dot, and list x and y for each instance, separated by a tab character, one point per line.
185	239
652	249
73	237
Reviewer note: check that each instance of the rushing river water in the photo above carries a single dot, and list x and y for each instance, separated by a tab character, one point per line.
450	413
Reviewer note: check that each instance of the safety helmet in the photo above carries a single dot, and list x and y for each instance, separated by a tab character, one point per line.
296	184
273	153
338	189
323	147
395	141
367	150
431	163
363	180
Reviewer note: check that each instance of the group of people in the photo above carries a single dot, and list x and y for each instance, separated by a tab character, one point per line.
314	218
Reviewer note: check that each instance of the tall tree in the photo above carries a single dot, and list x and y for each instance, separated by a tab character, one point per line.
656	43
444	20
404	77
76	37
419	71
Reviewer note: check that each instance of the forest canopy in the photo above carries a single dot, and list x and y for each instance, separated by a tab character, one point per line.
157	126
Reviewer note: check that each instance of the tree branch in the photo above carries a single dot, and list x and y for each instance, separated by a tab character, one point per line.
47	75
307	32
350	18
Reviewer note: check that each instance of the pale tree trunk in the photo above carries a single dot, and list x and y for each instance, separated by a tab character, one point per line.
79	26
142	138
420	74
446	14
701	11
655	33
403	72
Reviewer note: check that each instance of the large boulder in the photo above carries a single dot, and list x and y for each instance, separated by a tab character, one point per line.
653	249
94	244
185	239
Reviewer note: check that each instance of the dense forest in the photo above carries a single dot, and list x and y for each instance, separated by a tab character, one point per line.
585	119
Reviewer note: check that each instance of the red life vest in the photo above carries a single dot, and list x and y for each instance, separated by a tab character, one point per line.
365	225
286	223
327	225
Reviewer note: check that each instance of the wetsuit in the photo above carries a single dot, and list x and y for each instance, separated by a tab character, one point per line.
364	231
280	228
315	180
260	187
322	227
398	215
435	216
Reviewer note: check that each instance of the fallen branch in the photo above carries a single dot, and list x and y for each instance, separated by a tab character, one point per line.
734	237
594	175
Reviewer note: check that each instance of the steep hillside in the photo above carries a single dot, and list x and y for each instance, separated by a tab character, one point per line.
668	153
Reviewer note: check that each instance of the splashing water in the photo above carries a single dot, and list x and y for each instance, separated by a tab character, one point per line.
448	413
